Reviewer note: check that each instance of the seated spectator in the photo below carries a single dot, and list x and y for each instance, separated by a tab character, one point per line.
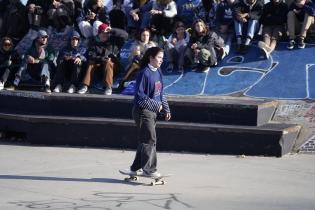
225	22
9	63
186	10
273	19
38	62
70	61
15	24
205	47
175	47
103	55
60	14
37	13
206	11
137	17
162	16
138	48
92	16
301	15
117	16
246	14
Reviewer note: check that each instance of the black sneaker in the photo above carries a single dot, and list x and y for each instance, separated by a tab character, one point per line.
301	43
291	44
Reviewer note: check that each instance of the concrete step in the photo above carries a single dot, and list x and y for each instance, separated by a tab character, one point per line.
218	110
271	139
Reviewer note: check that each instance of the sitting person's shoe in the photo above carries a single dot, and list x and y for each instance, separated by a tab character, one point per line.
71	89
291	44
58	88
83	89
108	91
153	174
301	43
1	85
10	87
180	69
170	67
46	89
265	48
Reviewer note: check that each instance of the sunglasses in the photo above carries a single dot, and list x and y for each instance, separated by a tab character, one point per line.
75	38
7	44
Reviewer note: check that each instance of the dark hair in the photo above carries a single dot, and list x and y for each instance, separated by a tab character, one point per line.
179	24
205	32
141	31
151	52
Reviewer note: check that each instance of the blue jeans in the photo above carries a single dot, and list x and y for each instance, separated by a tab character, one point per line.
252	26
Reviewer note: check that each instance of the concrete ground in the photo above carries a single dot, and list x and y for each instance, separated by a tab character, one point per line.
59	178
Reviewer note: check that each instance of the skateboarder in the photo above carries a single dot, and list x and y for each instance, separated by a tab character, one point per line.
149	101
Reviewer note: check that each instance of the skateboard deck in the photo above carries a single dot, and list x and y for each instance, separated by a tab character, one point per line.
134	178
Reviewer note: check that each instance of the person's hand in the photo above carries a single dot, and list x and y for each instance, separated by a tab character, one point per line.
174	41
223	28
196	51
134	15
155	12
56	4
30	59
296	11
194	46
77	61
168	116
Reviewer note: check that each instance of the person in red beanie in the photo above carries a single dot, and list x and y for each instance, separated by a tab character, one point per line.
103	55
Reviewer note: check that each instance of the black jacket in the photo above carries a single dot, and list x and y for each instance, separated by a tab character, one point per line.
9	57
255	11
274	14
210	41
100	51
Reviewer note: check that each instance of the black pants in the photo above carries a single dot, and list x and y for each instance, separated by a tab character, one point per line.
146	150
7	74
68	71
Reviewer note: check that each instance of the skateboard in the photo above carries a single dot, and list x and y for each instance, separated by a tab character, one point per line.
134	178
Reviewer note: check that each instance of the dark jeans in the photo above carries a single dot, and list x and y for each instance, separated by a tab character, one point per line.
146	151
68	71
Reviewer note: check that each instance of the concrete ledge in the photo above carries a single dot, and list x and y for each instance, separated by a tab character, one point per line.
268	140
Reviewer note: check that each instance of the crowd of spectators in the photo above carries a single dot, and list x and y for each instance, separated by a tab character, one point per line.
65	45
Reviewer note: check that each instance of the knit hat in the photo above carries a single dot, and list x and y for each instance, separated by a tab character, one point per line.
103	28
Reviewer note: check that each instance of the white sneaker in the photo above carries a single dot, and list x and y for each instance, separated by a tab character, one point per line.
154	174
71	89
83	90
108	91
136	173
1	85
58	88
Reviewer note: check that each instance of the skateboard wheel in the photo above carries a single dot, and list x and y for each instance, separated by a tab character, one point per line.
152	183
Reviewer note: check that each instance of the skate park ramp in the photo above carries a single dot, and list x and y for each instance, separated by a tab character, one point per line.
286	74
